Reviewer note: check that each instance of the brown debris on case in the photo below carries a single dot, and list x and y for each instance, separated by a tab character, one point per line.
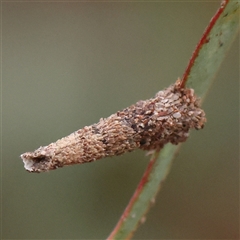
148	125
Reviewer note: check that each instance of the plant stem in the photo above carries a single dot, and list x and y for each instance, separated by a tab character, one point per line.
150	183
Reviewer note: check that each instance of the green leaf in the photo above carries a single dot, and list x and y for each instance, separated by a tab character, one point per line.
199	75
214	49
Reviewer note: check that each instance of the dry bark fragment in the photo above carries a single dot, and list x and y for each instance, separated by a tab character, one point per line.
148	125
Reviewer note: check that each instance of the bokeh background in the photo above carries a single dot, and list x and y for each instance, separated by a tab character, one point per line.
67	64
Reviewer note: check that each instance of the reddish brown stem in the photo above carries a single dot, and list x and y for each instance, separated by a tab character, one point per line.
203	40
134	198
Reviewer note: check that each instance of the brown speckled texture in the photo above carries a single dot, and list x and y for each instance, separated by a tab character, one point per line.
147	125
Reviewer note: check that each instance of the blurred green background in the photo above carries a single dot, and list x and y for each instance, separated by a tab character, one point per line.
65	65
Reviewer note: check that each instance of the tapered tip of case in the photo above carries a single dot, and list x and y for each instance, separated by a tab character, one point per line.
37	161
28	163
